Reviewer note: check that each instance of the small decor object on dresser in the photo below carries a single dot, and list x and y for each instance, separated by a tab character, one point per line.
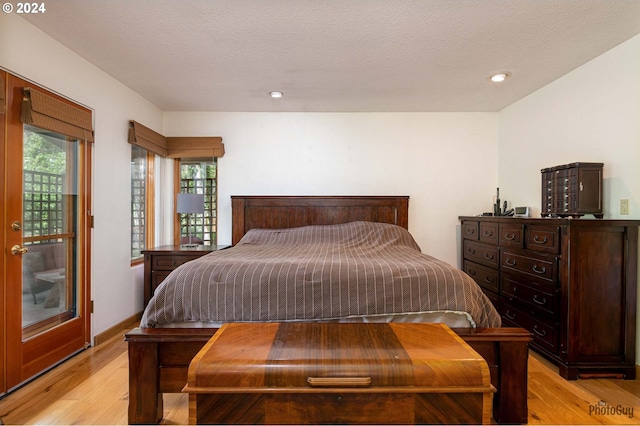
572	190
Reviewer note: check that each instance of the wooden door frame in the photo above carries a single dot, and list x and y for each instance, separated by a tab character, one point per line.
3	222
75	333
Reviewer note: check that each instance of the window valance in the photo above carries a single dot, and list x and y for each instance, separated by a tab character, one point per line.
195	147
147	139
49	113
3	93
191	147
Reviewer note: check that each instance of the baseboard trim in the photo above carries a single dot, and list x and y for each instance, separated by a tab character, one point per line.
124	325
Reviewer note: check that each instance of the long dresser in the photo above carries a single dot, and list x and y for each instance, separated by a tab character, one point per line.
570	282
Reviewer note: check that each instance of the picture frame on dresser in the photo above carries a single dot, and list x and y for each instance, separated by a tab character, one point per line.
571	282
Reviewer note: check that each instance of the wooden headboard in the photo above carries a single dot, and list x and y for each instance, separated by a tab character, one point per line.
274	212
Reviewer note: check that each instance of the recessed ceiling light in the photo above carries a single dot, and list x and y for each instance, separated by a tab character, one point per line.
500	77
276	94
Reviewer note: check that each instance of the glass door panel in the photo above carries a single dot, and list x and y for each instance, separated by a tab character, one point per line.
49	228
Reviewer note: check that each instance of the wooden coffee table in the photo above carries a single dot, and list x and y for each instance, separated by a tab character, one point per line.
323	373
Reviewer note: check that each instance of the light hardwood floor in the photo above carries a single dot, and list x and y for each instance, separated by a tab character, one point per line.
92	388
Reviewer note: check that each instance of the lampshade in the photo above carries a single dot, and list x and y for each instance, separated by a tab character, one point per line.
190	203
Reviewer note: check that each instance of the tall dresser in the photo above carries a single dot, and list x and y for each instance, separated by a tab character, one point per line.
570	282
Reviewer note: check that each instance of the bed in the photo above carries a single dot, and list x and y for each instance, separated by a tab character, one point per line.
307	232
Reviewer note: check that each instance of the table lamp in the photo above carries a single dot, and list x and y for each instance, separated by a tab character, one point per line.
189	204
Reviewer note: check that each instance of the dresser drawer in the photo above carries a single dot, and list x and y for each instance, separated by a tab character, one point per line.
545	268
544	332
544	239
542	299
470	230
489	232
484	254
169	263
512	235
485	277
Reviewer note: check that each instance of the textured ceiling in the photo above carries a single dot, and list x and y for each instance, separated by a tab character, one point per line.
337	55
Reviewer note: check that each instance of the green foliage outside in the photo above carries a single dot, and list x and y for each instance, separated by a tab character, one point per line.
41	155
195	171
45	164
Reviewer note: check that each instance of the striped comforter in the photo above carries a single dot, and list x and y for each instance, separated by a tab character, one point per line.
316	273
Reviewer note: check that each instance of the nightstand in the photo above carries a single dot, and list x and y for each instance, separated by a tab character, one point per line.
160	261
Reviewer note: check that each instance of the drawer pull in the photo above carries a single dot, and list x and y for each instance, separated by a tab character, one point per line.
471	231
510	262
488	233
472	272
471	251
539	271
488	256
510	315
538	301
509	237
338	382
489	279
542	333
539	240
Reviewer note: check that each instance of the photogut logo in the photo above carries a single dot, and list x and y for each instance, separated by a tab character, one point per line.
604	409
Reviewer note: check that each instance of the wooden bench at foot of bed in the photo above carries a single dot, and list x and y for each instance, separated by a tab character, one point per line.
159	360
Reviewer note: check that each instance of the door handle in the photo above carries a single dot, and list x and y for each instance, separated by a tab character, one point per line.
15	250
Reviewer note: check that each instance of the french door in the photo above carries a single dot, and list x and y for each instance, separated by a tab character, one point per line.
47	235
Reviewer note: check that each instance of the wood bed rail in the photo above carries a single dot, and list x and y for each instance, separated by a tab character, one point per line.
506	351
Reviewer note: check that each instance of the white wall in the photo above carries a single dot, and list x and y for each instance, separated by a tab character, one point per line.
590	114
446	162
26	51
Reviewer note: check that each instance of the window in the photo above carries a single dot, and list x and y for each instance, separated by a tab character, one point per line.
50	213
195	172
141	200
45	164
199	177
